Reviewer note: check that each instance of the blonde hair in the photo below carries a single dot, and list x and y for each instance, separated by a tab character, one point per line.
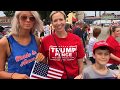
54	12
15	26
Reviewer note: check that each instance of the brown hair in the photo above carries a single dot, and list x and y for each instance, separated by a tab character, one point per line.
113	28
54	12
84	27
96	32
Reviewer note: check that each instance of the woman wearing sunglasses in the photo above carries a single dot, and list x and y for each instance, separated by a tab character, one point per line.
19	49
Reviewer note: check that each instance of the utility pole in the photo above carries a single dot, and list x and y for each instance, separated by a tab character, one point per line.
100	13
95	13
100	16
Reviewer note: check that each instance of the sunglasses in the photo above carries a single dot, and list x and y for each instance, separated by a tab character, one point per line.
24	18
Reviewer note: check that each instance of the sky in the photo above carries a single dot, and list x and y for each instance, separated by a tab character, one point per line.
88	13
1	14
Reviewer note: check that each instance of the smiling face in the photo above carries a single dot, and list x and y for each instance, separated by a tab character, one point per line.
101	56
26	20
58	21
117	32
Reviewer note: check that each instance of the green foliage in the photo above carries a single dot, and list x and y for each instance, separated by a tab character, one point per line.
67	12
43	14
9	13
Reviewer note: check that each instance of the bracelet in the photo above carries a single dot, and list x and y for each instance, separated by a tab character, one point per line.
12	75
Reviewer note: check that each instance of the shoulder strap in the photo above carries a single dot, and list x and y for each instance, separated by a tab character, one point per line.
8	43
60	55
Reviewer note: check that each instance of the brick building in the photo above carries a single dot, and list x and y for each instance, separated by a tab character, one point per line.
5	21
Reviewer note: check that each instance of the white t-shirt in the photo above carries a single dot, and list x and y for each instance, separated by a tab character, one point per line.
91	30
47	30
91	43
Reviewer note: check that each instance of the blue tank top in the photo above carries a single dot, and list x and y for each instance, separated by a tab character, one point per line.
22	57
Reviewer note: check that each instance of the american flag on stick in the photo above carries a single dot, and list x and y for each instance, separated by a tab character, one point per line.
43	71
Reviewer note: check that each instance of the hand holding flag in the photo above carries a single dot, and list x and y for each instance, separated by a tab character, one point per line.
43	71
40	57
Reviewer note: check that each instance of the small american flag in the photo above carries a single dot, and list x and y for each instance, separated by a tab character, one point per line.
43	71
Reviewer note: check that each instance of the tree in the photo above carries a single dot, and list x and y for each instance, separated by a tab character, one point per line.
67	12
43	14
9	13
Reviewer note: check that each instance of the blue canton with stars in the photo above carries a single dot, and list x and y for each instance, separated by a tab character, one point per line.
41	69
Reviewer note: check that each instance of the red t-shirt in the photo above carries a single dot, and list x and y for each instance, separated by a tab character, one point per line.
71	49
116	48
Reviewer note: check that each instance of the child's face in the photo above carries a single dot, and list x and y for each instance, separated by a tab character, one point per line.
101	56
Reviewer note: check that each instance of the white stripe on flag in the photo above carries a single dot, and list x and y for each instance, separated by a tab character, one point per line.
55	70
52	76
58	74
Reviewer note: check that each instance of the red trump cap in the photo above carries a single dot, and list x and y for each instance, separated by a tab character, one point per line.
101	44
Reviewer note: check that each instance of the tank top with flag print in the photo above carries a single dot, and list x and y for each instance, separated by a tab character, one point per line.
22	57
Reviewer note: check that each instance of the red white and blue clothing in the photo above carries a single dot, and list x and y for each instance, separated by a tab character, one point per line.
22	57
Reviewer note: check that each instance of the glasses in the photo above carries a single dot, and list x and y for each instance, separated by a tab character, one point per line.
24	18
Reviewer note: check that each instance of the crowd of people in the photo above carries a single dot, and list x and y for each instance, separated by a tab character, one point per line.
61	45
